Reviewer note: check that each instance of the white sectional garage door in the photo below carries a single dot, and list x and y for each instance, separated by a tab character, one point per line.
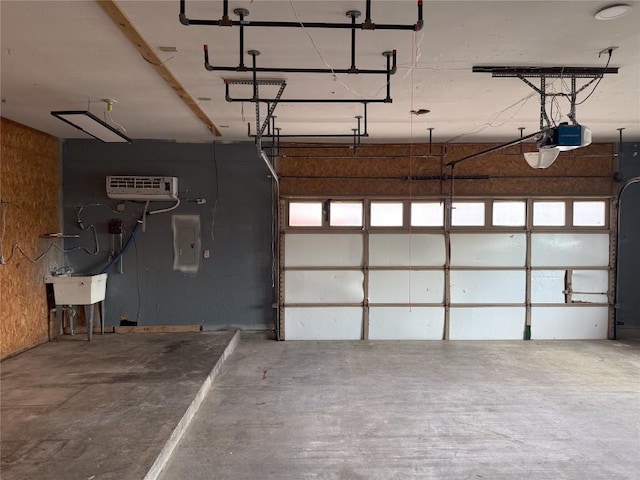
473	269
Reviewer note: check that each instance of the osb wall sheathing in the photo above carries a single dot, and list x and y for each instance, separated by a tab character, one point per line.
384	170
30	186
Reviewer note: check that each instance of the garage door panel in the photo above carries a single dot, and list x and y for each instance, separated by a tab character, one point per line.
488	249
406	249
569	323
319	250
406	286
548	286
406	323
488	286
590	286
487	323
323	323
570	249
326	286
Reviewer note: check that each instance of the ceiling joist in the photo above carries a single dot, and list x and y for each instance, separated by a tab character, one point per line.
116	14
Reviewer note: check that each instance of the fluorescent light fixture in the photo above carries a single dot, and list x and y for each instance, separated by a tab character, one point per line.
89	123
612	12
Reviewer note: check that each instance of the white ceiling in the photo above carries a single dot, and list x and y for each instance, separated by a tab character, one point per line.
64	55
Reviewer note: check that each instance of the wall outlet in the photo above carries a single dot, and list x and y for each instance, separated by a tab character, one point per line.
205	253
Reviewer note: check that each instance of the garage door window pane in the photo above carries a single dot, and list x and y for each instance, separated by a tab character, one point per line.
346	214
305	214
386	214
589	214
549	214
467	214
509	214
427	214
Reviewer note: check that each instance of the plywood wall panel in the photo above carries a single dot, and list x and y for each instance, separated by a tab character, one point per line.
383	170
30	183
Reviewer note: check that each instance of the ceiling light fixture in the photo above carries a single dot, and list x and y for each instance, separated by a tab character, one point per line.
611	12
89	123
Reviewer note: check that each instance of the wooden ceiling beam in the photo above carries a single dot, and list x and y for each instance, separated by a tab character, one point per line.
127	27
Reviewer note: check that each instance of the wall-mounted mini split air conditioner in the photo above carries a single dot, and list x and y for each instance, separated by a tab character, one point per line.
142	188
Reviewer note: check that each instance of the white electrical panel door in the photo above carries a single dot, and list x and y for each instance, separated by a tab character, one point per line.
406	323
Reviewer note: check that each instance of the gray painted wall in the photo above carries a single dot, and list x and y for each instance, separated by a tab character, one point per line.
628	278
232	287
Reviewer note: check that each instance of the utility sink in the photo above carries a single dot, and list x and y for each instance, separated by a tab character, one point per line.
84	290
78	289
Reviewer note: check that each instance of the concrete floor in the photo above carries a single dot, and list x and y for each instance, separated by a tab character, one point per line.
427	410
102	410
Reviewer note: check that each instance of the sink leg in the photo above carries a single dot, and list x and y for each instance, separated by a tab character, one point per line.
72	320
88	312
58	326
102	317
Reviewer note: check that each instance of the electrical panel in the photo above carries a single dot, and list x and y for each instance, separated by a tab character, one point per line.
142	187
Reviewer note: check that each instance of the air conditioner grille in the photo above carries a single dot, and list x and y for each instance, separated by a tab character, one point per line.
136	187
136	182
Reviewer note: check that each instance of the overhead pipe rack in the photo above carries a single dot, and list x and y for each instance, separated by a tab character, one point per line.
391	69
353	69
367	24
273	132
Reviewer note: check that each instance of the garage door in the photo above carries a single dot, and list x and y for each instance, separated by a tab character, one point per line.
468	269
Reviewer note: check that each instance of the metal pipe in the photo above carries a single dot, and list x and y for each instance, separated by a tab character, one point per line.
225	20
311	135
240	68
629	182
310	100
215	23
366	133
390	70
434	177
353	14
294	70
430	140
241	64
390	54
254	54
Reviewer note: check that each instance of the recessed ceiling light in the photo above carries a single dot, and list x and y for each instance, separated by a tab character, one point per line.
612	12
168	49
204	99
223	126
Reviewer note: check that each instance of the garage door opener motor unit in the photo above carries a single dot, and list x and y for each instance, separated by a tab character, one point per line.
144	188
